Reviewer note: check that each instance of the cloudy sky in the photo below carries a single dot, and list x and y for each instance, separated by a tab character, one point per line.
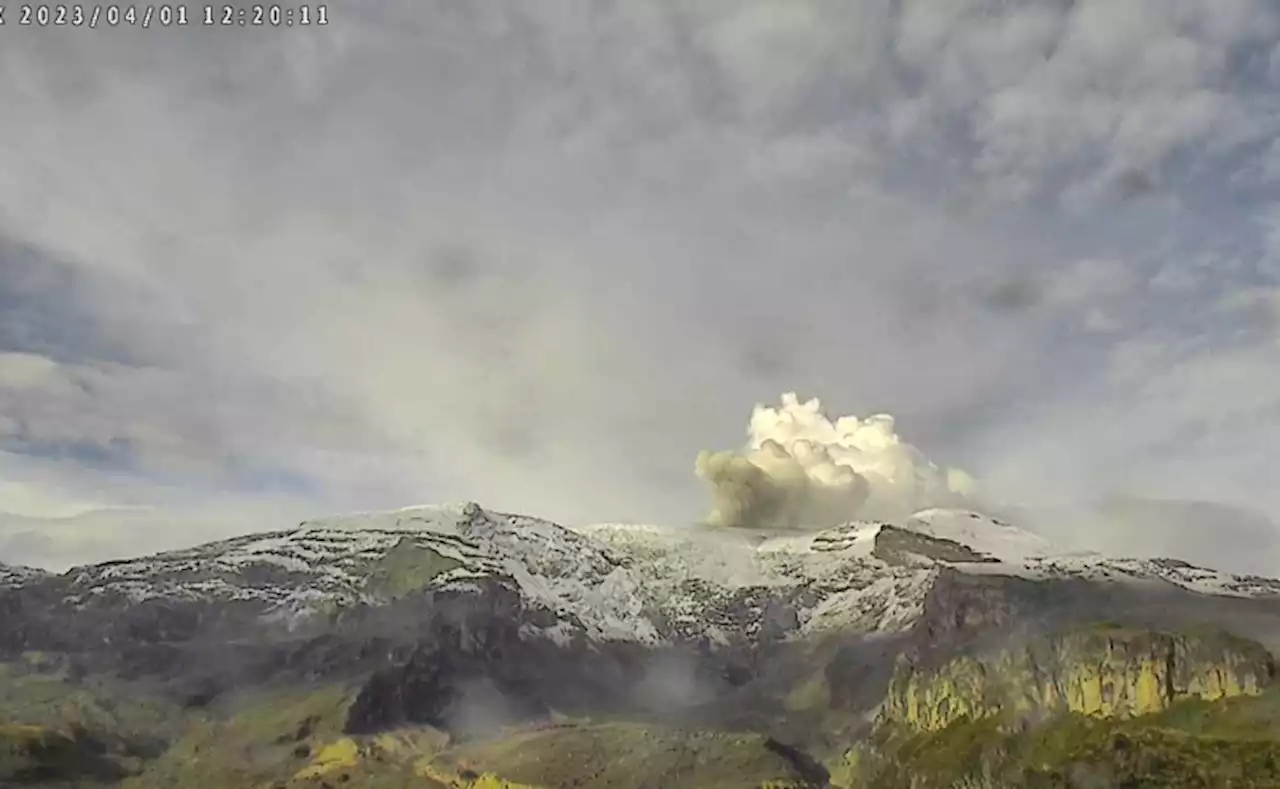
539	254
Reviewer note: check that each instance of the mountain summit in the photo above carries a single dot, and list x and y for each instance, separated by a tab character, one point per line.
423	643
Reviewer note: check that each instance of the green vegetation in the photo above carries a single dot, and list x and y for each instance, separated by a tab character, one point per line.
235	755
1074	750
36	691
1102	706
56	731
40	756
407	568
1102	670
628	756
253	742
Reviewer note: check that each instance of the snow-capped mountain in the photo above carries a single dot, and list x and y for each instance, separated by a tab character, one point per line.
432	616
613	582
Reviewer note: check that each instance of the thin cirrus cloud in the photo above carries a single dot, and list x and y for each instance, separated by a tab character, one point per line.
540	255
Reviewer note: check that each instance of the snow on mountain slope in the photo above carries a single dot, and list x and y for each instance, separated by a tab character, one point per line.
853	586
737	557
644	584
639	583
981	533
336	561
15	575
1027	554
1174	572
736	580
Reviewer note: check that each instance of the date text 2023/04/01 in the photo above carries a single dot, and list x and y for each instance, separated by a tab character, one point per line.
135	15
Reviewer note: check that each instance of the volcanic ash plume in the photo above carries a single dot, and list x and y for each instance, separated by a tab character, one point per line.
800	470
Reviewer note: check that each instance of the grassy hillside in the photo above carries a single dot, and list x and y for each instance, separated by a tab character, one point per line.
62	730
1223	744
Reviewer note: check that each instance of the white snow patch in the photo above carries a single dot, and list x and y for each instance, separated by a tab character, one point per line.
630	582
981	533
890	603
718	556
16	575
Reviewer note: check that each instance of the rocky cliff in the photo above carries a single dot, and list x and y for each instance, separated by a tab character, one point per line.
1105	670
452	646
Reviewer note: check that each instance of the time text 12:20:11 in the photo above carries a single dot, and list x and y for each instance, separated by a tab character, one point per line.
269	15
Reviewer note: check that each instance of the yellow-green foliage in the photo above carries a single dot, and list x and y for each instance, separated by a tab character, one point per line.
406	744
622	756
388	759
491	781
451	779
90	727
261	741
1104	672
336	756
1071	749
31	695
30	754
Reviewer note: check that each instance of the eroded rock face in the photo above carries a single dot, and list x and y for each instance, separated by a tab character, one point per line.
1104	671
903	546
462	619
479	672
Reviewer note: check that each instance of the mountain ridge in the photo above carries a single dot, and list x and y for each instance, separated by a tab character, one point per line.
673	550
455	619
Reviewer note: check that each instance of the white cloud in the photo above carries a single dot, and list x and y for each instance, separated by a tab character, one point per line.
539	254
801	470
26	499
20	371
